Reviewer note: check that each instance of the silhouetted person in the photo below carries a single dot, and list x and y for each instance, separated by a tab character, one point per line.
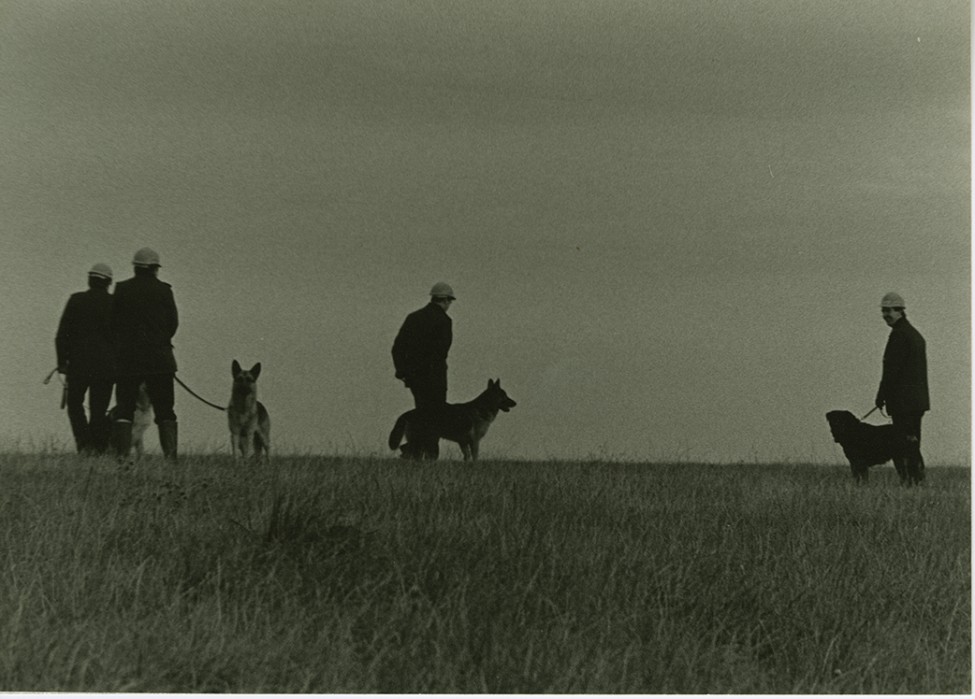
85	358
144	320
420	359
904	384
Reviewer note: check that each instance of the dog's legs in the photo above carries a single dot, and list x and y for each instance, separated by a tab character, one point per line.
260	447
860	473
239	444
474	448
465	447
122	440
244	444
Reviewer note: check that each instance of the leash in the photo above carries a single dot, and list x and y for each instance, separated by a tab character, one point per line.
64	390
192	393
872	411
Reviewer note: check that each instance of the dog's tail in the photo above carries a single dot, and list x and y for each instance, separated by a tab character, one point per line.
399	429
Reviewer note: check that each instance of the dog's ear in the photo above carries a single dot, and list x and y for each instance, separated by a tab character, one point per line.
491	384
256	370
234	368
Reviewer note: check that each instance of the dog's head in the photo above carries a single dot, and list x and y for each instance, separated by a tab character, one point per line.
842	424
497	396
245	378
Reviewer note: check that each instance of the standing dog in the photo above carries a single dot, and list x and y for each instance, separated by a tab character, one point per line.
866	445
464	423
247	417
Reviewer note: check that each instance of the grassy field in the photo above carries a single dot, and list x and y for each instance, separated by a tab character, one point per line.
371	575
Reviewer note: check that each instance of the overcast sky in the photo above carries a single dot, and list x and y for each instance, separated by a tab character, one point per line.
668	224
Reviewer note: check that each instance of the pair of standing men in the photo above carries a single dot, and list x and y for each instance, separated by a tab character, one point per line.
420	360
123	340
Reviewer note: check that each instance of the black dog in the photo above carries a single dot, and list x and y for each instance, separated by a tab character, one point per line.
871	445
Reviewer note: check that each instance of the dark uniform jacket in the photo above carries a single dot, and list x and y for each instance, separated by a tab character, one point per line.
84	340
422	343
904	386
144	320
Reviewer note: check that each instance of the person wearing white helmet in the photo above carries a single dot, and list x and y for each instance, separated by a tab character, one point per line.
144	321
904	383
420	360
83	345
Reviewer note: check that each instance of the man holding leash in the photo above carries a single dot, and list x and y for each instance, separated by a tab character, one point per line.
420	359
85	359
144	320
904	384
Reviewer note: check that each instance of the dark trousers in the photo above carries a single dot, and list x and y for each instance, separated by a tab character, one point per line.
160	388
429	396
908	426
90	434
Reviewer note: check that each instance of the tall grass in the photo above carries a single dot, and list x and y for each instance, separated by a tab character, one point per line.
371	575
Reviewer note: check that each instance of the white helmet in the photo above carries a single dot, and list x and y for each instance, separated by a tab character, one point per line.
146	257
100	269
442	289
892	300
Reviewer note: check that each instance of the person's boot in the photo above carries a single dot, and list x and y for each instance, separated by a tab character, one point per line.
100	431
168	439
431	448
80	431
915	462
122	440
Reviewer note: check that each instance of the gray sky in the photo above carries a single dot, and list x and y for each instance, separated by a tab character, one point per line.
668	224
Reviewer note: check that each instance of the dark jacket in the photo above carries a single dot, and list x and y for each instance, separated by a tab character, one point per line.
84	340
904	386
144	320
422	343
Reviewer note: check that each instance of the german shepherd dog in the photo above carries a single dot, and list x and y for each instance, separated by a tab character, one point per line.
866	445
464	423
247	417
141	420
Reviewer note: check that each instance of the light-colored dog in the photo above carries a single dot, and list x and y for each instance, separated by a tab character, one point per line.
248	419
142	419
